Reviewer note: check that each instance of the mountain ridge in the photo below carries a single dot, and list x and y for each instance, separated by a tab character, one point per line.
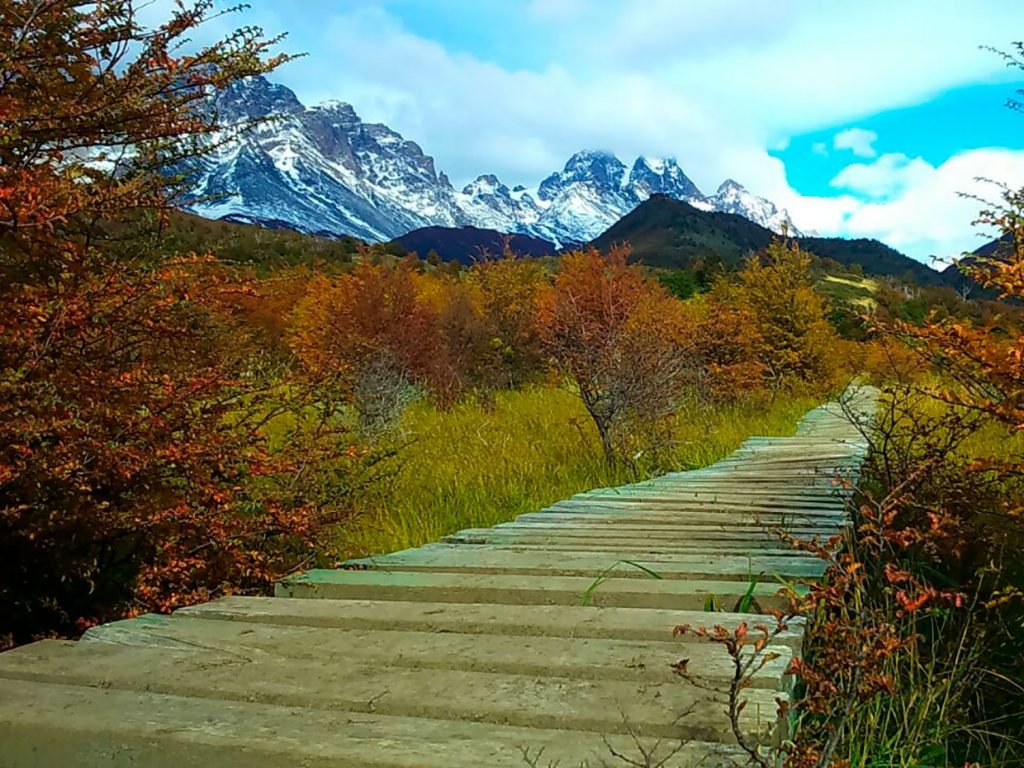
322	169
666	233
663	232
468	244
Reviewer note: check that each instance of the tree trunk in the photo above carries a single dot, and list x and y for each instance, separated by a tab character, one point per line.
604	433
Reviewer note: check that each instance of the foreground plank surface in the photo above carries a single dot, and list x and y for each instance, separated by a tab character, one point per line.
474	651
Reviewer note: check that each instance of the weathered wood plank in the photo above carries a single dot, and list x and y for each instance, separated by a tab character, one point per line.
651	624
66	725
579	658
683	594
485	559
602	706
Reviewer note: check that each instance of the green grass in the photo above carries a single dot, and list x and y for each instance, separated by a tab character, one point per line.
850	289
472	467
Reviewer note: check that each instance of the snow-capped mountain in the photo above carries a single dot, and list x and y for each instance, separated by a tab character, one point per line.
323	170
732	197
320	169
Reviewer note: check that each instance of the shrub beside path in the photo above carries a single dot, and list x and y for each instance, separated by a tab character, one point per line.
540	641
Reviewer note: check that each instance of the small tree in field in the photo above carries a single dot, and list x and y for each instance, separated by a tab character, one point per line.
793	340
509	291
621	339
373	335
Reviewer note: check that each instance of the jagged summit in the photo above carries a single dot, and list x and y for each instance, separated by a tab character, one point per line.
602	170
733	197
322	169
662	176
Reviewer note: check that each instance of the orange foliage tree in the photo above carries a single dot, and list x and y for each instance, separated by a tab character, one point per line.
509	292
125	462
622	340
986	361
787	330
380	330
373	334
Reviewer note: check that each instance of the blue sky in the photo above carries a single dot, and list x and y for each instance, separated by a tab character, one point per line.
952	121
863	119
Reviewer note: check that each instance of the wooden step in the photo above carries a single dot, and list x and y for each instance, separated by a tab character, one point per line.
459	558
632	623
651	707
682	594
46	725
577	658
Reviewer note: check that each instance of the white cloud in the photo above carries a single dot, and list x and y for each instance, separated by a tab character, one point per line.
932	217
918	208
710	73
928	213
857	140
889	176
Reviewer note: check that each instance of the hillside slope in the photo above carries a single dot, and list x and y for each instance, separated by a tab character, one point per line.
670	233
466	244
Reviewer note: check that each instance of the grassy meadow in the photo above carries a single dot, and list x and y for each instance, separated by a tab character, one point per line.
851	290
472	466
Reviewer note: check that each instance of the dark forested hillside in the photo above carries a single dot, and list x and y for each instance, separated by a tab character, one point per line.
669	233
249	243
467	244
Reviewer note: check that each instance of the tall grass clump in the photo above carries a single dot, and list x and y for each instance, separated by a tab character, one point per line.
476	465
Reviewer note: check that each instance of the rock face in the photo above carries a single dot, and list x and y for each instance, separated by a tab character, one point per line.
323	170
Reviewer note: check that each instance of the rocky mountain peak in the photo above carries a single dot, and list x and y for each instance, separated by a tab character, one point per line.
729	186
256	97
322	169
340	111
599	169
661	176
488	184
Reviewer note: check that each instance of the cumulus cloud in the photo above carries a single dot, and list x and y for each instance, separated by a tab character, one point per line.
928	211
889	176
932	215
857	140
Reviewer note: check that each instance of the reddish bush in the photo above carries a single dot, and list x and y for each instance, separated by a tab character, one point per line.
622	339
125	448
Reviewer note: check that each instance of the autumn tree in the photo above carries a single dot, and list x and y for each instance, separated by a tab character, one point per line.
125	456
509	292
373	334
463	361
382	332
726	340
793	340
620	338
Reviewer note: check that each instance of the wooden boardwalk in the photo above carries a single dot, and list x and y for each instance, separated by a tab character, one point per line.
469	652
